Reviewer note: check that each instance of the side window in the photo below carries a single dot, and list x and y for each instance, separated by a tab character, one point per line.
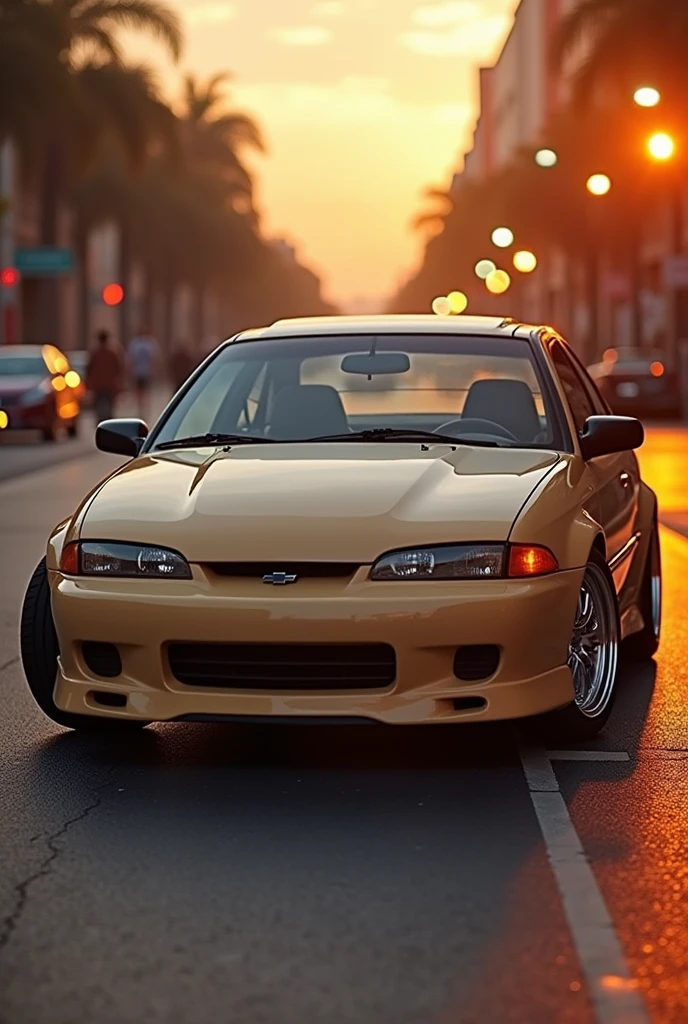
579	400
198	411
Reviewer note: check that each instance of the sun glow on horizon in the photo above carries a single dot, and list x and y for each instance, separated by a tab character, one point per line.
363	105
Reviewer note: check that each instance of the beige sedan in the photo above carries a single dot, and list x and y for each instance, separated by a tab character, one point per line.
400	519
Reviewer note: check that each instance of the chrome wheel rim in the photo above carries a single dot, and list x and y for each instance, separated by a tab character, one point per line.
656	588
593	650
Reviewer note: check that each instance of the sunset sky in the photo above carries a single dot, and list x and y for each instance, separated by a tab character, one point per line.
363	103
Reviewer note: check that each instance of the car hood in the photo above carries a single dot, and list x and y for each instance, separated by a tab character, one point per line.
339	502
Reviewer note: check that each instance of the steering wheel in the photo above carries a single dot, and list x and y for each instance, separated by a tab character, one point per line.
476	426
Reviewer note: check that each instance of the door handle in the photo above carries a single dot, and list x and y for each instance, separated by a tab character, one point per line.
625	479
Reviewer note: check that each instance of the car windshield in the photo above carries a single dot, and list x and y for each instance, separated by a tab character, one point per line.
281	389
21	366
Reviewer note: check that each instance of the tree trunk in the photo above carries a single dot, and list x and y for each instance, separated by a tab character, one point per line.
197	340
81	234
591	285
169	289
148	306
125	309
49	293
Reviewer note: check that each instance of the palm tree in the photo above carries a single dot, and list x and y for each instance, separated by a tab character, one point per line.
215	140
65	54
625	43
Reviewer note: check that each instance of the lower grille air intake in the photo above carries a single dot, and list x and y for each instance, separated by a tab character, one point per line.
476	661
283	666
102	659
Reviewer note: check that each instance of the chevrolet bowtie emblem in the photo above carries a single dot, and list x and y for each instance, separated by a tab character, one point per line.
280	579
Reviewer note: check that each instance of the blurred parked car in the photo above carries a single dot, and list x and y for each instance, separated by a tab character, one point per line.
39	390
636	383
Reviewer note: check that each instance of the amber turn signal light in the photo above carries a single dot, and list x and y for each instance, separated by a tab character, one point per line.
525	560
69	561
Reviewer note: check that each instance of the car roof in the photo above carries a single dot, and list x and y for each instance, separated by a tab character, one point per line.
385	324
21	350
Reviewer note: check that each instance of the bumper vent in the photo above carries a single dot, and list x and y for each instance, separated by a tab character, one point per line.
102	659
284	666
475	662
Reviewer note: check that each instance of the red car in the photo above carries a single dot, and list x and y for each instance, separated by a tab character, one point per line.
38	390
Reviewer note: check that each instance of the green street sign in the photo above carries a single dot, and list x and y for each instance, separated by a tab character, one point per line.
46	261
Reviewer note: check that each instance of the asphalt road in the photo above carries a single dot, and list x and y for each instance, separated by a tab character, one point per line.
339	875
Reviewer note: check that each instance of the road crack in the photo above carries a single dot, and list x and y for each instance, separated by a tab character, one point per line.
22	890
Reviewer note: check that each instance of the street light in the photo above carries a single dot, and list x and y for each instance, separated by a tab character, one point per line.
498	282
598	184
484	268
503	237
661	146
546	158
458	302
525	261
647	96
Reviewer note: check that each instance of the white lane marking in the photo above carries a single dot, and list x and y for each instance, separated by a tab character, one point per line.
588	755
613	991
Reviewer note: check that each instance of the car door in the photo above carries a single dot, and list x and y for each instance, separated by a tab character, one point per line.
617	476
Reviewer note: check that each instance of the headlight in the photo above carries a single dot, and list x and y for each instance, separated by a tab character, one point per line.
466	562
455	562
93	558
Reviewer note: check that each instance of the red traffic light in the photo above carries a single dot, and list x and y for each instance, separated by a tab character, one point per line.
113	294
9	276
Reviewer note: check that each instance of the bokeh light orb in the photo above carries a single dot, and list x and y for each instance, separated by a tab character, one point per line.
484	268
113	294
525	261
498	282
661	146
458	302
647	96
503	237
441	306
598	184
546	158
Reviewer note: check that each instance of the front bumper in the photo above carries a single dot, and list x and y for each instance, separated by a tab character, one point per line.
529	620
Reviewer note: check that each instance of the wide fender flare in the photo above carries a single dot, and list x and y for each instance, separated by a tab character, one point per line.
70	529
558	515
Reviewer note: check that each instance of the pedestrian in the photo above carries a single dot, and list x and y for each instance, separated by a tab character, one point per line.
181	365
144	363
104	376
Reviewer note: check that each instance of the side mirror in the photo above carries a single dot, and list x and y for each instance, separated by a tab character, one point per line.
121	437
607	435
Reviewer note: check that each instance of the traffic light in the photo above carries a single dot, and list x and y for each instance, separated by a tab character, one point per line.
113	294
9	277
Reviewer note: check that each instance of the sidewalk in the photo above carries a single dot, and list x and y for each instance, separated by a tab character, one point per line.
21	453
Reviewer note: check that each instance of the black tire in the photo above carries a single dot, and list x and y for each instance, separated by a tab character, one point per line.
642	646
49	434
39	653
572	724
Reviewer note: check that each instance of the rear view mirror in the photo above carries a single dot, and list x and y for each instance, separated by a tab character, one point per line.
121	437
376	364
607	435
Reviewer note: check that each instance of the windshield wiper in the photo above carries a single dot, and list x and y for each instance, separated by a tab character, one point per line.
198	440
404	434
